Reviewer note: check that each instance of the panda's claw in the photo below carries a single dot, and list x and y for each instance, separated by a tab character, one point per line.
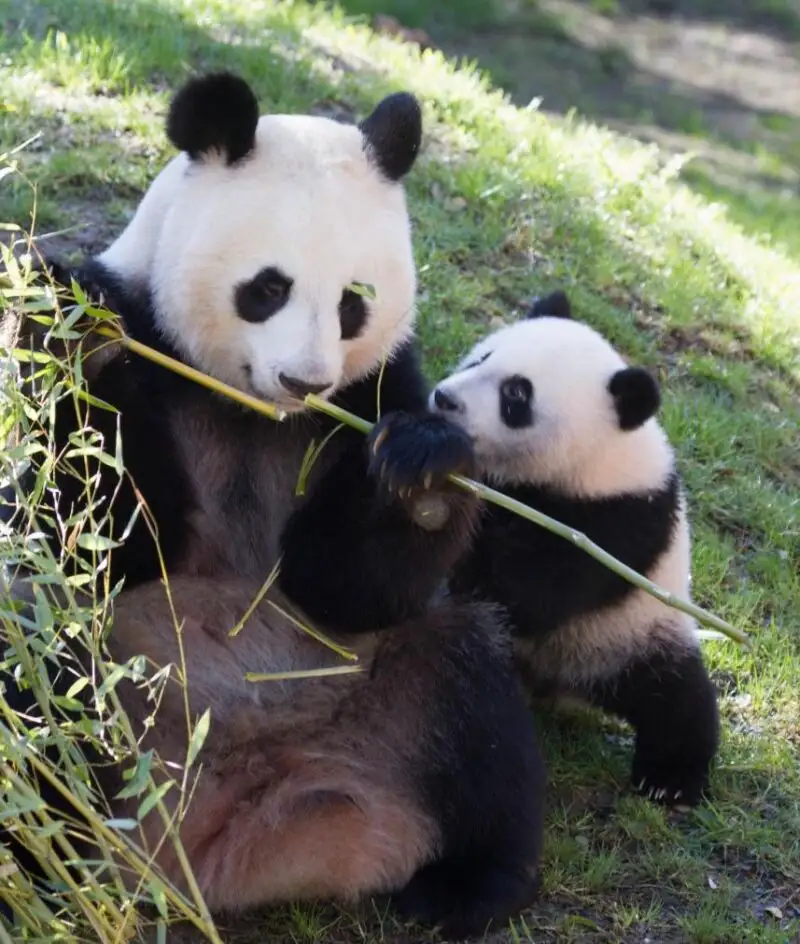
411	451
379	440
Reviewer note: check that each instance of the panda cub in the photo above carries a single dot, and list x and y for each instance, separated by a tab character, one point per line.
242	261
560	423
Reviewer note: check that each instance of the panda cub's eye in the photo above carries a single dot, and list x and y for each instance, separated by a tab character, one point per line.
478	362
352	314
263	296
516	394
517	389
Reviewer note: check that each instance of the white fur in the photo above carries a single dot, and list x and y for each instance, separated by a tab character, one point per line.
306	201
575	441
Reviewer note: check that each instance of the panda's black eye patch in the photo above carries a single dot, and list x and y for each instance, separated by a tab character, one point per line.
352	314
516	402
263	296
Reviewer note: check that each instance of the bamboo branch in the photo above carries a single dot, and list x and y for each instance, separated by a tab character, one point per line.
190	373
484	492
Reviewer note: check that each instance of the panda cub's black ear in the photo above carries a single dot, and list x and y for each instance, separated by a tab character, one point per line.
554	305
217	112
393	134
636	396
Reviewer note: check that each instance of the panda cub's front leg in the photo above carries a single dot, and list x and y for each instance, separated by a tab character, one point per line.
670	701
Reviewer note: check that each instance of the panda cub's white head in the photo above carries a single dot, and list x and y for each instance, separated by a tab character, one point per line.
549	402
249	240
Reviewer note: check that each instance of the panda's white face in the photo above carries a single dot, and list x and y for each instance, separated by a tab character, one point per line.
541	402
250	261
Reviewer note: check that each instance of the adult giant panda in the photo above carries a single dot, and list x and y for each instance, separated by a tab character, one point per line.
419	777
561	423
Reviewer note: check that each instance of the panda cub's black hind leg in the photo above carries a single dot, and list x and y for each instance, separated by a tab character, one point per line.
671	703
482	777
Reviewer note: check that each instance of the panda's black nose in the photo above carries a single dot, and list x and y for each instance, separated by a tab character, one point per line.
444	401
300	388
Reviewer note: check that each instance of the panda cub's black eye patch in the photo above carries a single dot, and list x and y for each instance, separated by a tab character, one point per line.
352	314
263	296
516	402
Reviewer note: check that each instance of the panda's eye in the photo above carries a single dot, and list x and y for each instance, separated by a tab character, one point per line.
352	314
517	389
263	296
478	362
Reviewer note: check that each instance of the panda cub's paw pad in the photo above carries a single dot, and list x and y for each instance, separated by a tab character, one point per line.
411	453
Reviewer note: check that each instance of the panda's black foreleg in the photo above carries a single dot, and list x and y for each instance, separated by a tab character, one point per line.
482	779
670	701
383	529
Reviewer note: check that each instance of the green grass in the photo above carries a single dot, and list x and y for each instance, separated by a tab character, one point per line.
508	203
572	55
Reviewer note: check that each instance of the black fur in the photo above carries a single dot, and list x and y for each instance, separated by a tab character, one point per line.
554	305
262	296
353	313
671	702
404	448
636	396
545	581
394	132
364	537
487	872
347	575
353	557
516	402
217	112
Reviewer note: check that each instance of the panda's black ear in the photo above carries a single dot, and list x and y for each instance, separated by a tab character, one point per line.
217	112
636	396
393	133
554	305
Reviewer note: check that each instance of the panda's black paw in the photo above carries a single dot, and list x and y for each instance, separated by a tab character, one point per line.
465	905
417	452
677	784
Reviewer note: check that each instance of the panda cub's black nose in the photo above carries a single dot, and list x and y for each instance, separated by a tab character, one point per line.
301	388
444	401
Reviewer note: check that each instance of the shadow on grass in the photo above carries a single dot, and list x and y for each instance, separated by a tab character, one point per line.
144	47
716	78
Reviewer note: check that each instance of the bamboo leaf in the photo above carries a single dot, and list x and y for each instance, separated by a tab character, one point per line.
96	542
153	798
303	673
364	289
198	737
124	824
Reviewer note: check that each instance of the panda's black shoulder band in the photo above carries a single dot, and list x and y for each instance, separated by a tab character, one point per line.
393	133
217	112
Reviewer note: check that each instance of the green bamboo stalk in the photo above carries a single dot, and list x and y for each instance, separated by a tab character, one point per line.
190	373
484	492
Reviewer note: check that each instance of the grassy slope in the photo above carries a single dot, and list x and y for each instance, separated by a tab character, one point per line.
718	78
508	203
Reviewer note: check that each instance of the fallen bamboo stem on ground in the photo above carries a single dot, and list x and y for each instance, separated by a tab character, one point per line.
484	492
